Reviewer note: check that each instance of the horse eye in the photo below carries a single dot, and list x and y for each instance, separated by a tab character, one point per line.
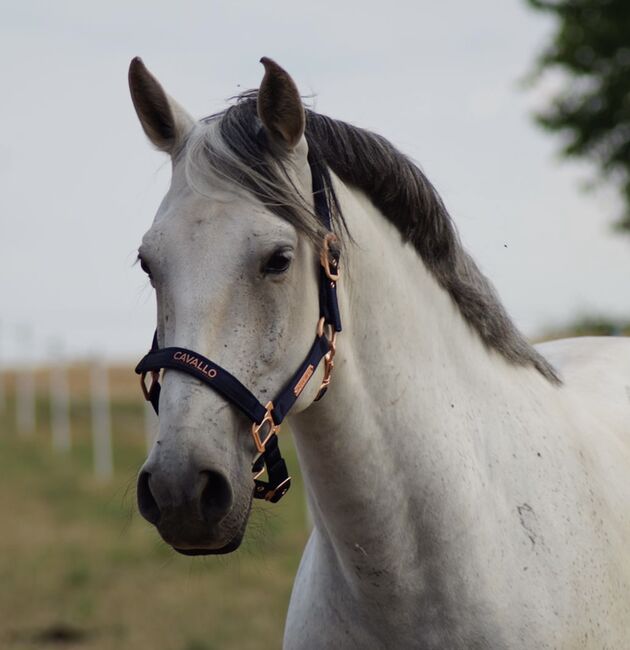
145	267
279	262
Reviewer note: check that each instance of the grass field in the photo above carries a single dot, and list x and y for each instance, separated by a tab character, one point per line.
79	568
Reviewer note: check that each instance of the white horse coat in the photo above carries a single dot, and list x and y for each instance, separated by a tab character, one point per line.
461	497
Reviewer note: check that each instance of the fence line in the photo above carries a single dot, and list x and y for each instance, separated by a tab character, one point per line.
60	408
25	387
22	388
3	399
25	406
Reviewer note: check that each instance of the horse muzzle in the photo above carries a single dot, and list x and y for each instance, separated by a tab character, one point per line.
193	512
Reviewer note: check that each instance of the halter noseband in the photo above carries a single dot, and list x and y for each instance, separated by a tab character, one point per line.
266	419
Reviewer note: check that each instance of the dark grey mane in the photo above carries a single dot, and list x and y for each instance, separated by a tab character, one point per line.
396	186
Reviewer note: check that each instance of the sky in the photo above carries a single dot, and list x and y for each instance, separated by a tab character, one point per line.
443	81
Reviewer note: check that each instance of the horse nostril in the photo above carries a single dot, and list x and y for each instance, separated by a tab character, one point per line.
147	504
216	497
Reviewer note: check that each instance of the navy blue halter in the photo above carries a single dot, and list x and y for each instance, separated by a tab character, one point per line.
266	419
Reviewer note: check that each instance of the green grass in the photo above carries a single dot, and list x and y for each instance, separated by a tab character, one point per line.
79	568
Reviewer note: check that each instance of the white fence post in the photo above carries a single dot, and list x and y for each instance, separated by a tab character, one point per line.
59	401
101	424
3	400
151	425
25	387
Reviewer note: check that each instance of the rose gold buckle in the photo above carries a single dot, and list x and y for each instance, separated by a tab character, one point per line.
282	489
273	428
329	364
327	260
329	357
155	377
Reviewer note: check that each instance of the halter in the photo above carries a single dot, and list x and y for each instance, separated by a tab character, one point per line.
265	419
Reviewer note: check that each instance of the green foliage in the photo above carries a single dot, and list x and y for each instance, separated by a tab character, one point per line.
591	45
591	326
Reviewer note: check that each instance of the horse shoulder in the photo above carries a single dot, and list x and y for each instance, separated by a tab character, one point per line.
596	398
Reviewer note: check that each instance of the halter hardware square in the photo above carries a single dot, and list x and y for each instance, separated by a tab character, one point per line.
329	362
273	428
155	382
279	491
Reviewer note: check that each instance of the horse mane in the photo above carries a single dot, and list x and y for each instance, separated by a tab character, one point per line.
235	146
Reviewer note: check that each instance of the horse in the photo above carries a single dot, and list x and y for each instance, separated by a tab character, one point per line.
467	489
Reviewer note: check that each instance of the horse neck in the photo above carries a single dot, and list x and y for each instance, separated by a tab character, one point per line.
394	444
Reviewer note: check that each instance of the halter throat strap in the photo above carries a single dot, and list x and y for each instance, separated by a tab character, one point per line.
265	419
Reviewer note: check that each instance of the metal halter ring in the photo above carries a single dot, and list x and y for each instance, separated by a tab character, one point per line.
155	378
281	488
327	260
273	428
329	362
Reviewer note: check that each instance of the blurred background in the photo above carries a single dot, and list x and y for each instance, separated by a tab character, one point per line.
517	110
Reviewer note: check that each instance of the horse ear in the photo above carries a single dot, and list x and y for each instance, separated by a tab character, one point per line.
280	107
164	121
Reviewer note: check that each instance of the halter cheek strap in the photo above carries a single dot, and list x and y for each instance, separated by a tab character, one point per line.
265	419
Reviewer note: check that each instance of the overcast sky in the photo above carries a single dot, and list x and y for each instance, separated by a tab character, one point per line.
79	183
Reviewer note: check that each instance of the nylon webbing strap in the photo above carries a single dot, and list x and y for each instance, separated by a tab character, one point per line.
329	307
220	380
328	304
287	397
230	388
209	373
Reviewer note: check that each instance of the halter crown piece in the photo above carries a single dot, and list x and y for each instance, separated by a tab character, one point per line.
266	419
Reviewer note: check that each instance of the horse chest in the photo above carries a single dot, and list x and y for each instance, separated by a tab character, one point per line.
370	611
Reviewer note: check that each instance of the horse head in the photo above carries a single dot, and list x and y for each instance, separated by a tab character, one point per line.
235	276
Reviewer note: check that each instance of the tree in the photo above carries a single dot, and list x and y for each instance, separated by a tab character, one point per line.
591	45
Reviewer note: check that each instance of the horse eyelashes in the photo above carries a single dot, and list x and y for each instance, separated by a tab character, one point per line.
279	262
145	267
